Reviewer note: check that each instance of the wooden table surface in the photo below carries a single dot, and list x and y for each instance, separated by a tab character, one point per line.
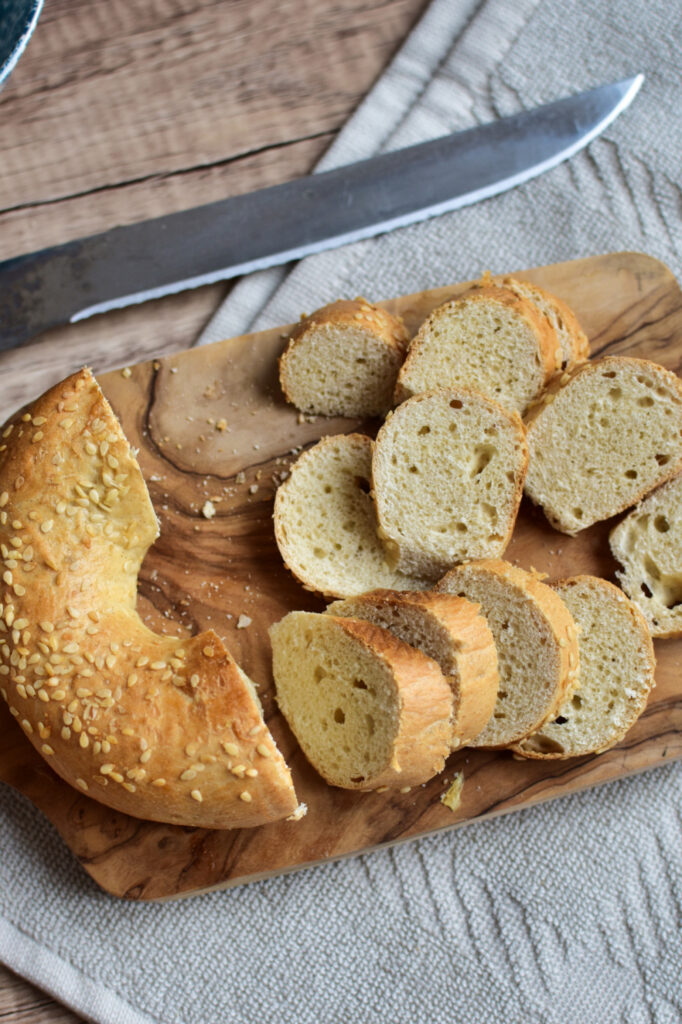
127	110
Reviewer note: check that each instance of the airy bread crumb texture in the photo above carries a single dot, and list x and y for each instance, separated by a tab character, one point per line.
448	472
367	710
573	344
537	648
603	439
490	340
616	673
648	544
325	521
343	360
449	630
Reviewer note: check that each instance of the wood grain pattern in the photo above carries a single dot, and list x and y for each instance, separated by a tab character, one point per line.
21	1003
209	572
130	109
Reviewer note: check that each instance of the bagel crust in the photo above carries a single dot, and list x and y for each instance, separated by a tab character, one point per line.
158	727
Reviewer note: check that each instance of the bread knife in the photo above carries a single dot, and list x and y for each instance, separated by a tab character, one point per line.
234	236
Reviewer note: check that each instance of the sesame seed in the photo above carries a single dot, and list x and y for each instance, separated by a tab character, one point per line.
47	749
66	733
254	730
43	695
196	795
209	652
231	748
58	695
128	785
7	577
246	797
19	590
158	782
187	775
83	740
252	772
70	648
26	725
38	436
194	679
107	769
46	526
127	731
156	665
116	776
82	783
47	627
141	662
145	756
20	623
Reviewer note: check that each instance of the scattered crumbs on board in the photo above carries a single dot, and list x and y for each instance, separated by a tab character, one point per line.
243	622
299	813
208	510
452	797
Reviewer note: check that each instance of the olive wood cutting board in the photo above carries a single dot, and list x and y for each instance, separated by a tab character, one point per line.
211	425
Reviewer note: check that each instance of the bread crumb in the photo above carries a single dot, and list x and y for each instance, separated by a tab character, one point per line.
221	425
126	371
299	813
240	478
452	797
244	622
208	510
253	488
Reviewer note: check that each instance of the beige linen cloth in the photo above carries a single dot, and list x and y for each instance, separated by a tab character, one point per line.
569	912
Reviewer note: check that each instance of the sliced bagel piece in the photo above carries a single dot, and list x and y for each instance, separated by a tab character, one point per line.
343	360
648	544
573	344
447	474
449	630
367	709
537	645
616	673
326	525
491	340
603	436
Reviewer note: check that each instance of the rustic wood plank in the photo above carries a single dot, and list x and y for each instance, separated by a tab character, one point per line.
22	1003
42	224
204	574
121	94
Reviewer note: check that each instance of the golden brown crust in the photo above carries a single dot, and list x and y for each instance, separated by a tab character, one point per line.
423	740
567	377
548	344
475	684
555	613
157	727
639	625
580	345
387	328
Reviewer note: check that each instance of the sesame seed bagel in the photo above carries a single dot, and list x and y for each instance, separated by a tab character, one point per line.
157	727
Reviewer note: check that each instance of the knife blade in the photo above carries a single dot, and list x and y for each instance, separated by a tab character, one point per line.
234	236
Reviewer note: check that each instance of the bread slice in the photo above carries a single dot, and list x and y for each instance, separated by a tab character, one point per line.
573	344
537	645
367	709
343	360
648	544
616	673
490	340
603	437
447	474
325	523
450	631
